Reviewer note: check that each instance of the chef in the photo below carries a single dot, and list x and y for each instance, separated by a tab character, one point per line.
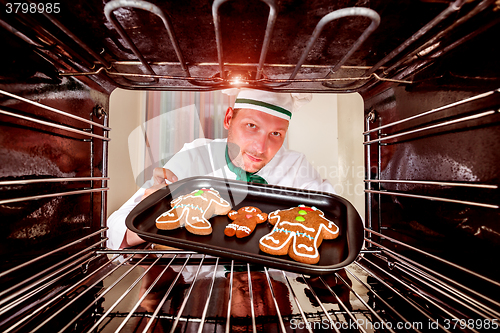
253	152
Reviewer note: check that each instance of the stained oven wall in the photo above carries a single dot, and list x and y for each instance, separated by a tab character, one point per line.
30	150
461	146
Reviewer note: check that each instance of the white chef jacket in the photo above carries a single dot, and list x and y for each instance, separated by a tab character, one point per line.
204	157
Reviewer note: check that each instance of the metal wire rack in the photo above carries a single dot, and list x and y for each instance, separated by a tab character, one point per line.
55	124
223	78
393	286
143	73
148	290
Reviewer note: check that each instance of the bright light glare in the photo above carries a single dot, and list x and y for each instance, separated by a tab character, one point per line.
236	81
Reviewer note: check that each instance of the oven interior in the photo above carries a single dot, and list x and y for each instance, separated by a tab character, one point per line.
429	77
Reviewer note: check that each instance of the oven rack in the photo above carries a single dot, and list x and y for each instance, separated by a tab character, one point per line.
84	132
217	81
381	289
377	136
384	287
217	77
57	111
446	282
59	122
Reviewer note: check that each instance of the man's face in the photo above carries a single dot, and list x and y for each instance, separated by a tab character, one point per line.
258	136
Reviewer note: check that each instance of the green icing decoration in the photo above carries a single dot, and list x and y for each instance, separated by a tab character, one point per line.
302	212
200	192
300	218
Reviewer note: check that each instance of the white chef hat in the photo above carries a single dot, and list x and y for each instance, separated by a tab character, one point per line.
281	105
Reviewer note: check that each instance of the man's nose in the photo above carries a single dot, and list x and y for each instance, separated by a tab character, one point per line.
260	143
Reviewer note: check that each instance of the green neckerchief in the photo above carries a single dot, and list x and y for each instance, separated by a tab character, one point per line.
242	174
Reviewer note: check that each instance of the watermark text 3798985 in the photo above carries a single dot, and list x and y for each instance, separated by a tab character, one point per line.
25	8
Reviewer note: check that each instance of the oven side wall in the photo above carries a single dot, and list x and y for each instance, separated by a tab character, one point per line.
449	158
38	146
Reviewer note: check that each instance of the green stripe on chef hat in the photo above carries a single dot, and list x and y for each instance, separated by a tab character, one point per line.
275	110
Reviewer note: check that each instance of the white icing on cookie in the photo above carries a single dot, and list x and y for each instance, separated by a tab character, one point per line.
315	243
299	225
314	248
232	226
198	220
168	214
308	248
245	229
295	247
186	210
271	238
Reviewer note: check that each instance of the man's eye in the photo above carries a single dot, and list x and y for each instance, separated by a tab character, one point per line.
251	125
276	133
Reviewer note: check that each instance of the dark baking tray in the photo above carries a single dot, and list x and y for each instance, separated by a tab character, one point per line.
334	254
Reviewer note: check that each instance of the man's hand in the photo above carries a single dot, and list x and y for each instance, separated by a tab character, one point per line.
160	175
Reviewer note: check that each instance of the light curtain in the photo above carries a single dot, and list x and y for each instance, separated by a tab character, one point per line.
174	118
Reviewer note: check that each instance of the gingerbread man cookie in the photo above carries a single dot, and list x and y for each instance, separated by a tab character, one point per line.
245	221
298	232
193	211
